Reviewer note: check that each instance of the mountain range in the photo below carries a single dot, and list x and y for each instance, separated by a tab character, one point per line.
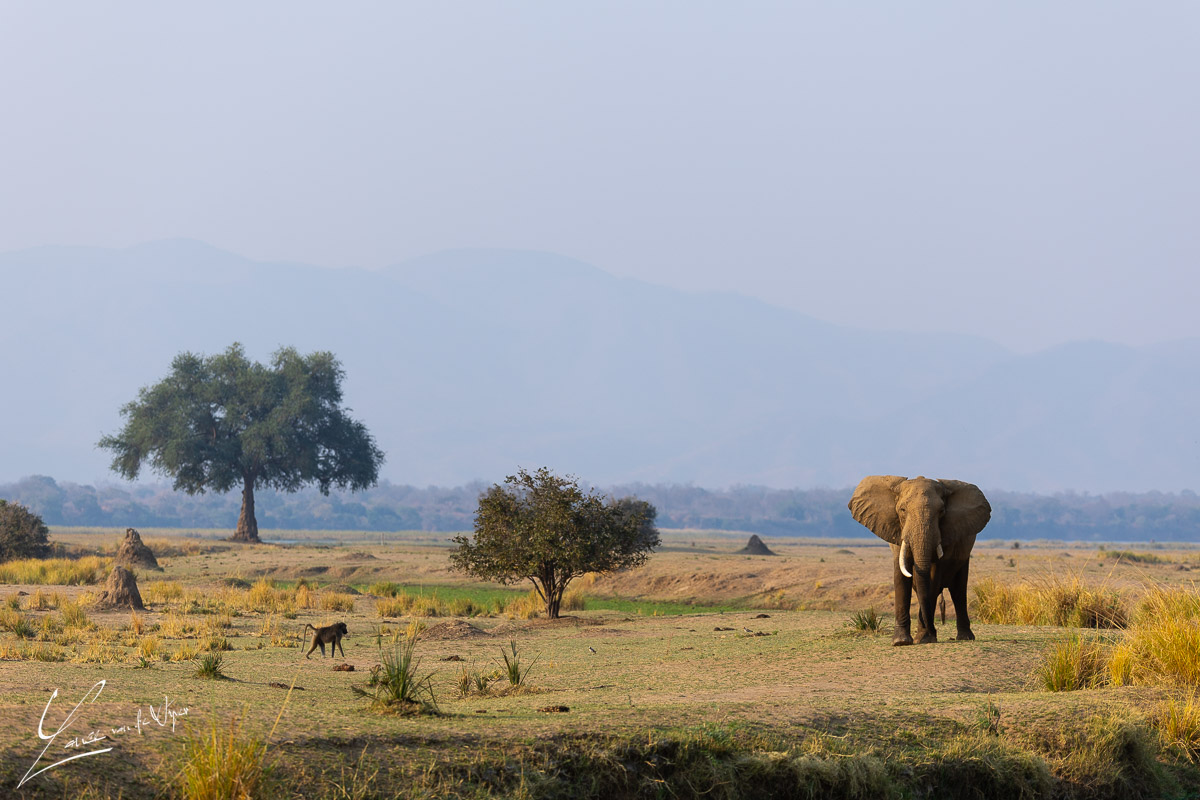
467	364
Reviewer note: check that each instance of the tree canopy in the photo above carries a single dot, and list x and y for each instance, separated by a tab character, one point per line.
216	422
22	533
545	529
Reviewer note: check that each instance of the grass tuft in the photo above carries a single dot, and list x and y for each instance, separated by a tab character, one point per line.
517	677
1177	721
210	667
224	765
397	685
866	621
1076	663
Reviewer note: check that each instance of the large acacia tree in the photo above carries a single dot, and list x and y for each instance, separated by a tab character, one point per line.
545	529
216	422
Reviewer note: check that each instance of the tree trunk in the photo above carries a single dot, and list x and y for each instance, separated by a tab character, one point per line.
247	527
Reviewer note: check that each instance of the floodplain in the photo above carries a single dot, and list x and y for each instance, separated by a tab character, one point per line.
705	673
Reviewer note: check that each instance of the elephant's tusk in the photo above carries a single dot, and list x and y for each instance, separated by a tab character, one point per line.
940	553
903	558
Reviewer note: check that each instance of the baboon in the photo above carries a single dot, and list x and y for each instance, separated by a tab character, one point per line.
328	635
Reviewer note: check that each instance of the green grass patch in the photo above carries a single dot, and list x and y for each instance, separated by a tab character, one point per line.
483	597
1133	557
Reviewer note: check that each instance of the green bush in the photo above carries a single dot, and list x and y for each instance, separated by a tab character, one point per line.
22	533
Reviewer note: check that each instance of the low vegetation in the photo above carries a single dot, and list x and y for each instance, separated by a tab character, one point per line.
621	698
226	763
396	685
1054	600
56	571
866	621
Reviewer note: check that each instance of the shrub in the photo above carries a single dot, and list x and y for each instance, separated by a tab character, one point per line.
22	533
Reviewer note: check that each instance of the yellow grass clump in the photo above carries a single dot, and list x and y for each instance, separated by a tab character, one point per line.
56	571
148	648
1178	723
176	626
336	601
224	765
1076	663
526	606
187	651
157	592
1161	647
73	615
1053	601
41	600
98	653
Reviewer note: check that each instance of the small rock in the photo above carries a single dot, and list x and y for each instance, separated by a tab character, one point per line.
554	709
344	668
762	616
454	658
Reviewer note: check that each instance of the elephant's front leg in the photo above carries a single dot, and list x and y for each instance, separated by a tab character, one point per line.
958	594
903	586
928	588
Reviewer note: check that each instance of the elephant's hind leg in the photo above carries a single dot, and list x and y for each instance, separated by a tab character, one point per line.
958	594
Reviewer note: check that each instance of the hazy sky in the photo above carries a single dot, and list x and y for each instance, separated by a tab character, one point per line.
1029	172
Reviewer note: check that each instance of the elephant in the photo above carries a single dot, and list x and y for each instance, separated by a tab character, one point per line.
931	526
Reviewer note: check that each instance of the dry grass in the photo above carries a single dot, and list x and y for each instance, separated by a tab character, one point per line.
56	571
1177	721
1076	663
1067	602
225	764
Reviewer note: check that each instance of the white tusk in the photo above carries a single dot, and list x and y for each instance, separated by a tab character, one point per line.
903	553
940	553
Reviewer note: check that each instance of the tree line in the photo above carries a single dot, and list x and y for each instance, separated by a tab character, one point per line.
1117	516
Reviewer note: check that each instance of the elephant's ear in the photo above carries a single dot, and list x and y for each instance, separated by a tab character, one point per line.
874	505
967	510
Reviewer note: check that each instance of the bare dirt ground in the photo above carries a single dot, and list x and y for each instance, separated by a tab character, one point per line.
799	669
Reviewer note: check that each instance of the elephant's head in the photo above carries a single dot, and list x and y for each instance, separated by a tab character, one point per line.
929	519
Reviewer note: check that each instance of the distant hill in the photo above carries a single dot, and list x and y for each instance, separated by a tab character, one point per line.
467	364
